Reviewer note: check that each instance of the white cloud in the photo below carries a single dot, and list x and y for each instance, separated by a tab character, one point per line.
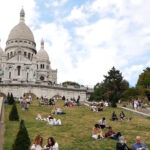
122	30
55	3
77	15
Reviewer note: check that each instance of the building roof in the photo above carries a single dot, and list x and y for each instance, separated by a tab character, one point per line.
42	55
21	30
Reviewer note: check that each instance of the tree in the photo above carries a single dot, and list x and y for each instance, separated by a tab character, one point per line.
11	100
115	85
111	88
144	79
13	116
22	141
99	92
132	93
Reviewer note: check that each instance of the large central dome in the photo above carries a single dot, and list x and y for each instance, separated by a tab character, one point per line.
21	31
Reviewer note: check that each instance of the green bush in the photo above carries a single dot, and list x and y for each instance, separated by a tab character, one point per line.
13	116
22	141
11	99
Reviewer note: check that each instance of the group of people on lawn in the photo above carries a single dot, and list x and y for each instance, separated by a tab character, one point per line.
38	144
72	102
99	107
97	133
25	102
50	119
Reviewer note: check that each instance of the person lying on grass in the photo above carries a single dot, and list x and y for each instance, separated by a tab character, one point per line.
111	134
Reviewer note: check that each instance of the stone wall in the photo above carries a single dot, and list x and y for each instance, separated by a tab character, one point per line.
41	90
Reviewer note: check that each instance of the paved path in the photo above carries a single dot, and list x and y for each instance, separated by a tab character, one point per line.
144	112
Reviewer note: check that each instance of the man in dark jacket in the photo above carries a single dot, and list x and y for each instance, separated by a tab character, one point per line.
121	144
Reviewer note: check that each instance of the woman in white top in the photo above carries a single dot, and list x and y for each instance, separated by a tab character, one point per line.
51	144
37	144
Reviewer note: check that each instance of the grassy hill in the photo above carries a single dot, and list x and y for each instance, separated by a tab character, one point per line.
75	133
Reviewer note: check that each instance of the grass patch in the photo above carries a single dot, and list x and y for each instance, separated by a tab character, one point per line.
75	133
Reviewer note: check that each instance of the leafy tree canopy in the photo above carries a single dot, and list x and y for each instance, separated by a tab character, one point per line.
111	88
144	79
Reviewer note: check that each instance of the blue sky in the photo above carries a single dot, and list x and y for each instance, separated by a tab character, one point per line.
85	38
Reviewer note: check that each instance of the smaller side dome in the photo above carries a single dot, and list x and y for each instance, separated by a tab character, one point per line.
42	55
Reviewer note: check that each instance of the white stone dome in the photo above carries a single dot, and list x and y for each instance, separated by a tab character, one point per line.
21	30
42	55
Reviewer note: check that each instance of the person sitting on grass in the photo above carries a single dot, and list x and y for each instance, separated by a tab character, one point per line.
39	117
97	132
100	107
111	134
114	116
51	144
94	108
37	144
121	144
122	115
139	145
102	123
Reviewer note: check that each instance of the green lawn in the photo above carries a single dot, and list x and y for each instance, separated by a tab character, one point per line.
75	133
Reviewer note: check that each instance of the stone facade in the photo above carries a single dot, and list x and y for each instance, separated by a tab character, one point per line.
20	62
49	91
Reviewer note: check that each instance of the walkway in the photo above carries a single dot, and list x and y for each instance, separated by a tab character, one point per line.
143	112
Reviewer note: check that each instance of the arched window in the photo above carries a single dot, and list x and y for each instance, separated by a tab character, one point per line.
8	55
27	76
41	66
29	55
37	66
9	75
19	69
11	54
25	54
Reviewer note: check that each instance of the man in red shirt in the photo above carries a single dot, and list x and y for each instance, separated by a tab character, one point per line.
111	134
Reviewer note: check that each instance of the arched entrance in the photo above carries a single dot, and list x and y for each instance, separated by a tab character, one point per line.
31	94
57	97
3	95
